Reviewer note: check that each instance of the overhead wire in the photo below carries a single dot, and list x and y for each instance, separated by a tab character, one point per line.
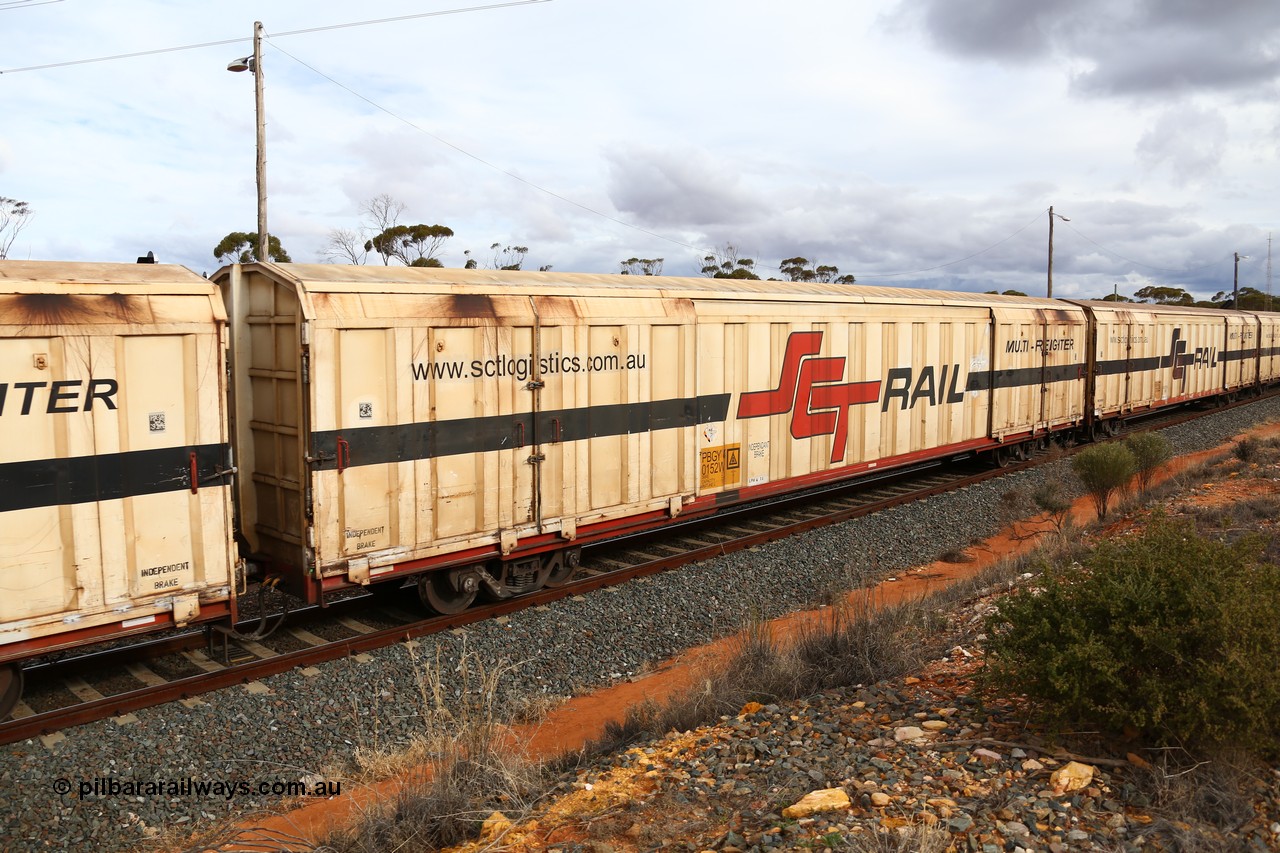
588	208
25	4
961	260
13	4
305	31
480	159
1140	263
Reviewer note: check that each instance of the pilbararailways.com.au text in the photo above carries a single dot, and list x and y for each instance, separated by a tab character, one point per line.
228	789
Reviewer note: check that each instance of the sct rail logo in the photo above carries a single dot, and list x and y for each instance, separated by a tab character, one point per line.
824	401
809	388
1180	359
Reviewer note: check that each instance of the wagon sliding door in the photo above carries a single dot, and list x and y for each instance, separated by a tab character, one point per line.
616	410
424	432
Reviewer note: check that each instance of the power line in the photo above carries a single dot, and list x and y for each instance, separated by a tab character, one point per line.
587	208
483	161
6	5
205	44
1139	263
24	4
1033	221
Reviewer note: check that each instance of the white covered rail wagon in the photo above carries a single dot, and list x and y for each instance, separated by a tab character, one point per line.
115	506
483	425
471	430
1147	357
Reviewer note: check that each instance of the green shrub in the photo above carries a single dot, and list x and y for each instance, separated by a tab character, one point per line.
1150	450
1167	633
1104	469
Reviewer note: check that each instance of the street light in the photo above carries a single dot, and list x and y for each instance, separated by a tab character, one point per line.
254	65
1049	289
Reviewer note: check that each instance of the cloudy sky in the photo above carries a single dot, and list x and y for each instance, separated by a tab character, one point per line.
914	142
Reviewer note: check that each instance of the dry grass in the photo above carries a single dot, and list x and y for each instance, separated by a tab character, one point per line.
853	642
1198	803
907	839
466	768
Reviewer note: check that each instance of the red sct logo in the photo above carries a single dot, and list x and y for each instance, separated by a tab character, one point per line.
809	387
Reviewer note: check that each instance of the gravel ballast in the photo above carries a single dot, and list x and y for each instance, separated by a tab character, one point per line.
310	723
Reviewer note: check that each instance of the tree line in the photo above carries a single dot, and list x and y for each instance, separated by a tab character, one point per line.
381	236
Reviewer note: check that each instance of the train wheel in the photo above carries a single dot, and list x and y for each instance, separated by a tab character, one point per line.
448	592
1003	456
564	565
10	688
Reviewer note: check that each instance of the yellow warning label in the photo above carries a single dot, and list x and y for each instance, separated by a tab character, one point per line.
720	466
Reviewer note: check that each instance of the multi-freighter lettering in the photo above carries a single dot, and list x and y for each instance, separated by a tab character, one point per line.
61	397
1041	345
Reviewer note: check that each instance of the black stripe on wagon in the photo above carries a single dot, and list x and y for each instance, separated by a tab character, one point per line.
1120	366
987	379
1237	354
404	442
109	476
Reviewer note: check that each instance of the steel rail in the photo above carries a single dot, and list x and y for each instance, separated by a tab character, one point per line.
937	482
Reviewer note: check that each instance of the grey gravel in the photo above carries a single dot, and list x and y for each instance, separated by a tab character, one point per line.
307	726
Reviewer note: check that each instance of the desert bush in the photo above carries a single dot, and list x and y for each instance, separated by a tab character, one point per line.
1168	633
1053	497
1104	469
1247	449
1150	450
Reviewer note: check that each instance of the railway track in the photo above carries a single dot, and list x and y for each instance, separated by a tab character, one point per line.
114	682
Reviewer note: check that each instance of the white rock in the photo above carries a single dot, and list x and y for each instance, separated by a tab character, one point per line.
1071	776
826	800
902	733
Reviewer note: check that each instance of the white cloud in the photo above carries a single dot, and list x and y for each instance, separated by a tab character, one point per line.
1190	141
922	137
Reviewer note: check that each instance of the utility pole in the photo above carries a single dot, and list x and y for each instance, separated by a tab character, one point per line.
253	64
260	113
1268	270
1235	286
1049	288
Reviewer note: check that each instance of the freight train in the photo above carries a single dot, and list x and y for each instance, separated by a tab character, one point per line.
164	437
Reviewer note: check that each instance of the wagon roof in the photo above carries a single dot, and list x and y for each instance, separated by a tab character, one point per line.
63	276
1154	308
339	278
59	295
